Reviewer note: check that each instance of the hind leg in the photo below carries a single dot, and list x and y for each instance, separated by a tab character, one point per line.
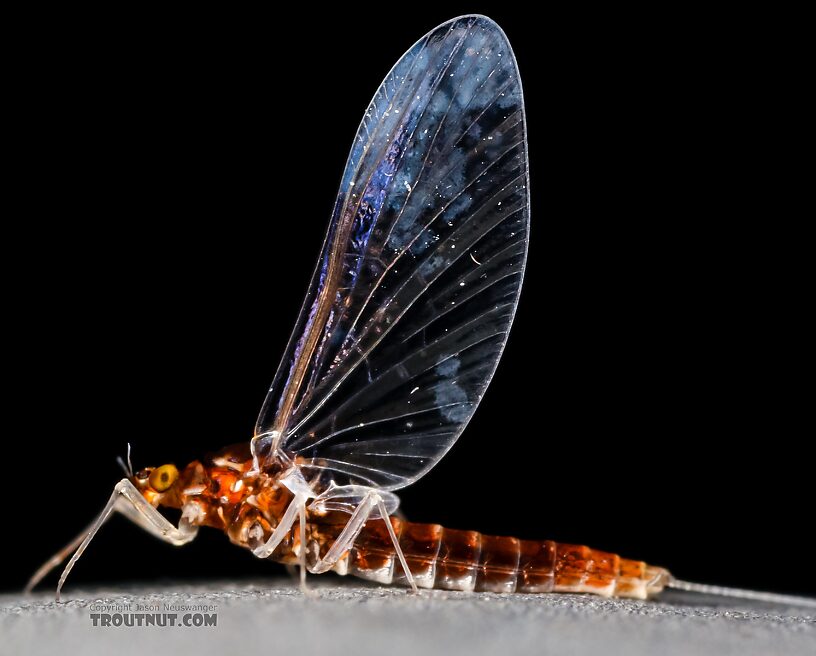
352	529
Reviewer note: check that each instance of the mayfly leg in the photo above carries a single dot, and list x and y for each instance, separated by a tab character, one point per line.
282	529
395	542
57	558
302	555
137	509
127	500
296	510
352	529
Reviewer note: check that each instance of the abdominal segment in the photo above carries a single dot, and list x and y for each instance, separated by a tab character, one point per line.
450	559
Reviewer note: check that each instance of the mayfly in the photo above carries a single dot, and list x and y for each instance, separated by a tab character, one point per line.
402	328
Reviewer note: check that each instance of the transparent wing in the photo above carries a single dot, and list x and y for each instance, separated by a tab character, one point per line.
417	283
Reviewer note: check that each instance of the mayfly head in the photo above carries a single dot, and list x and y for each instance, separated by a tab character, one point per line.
155	482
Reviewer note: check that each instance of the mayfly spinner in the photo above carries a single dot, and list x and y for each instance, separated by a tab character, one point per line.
403	325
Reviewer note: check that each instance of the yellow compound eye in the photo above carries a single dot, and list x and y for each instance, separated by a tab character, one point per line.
163	477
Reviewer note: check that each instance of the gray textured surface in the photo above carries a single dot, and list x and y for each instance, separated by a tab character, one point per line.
273	617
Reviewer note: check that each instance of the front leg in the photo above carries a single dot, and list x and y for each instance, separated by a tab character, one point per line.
136	508
127	500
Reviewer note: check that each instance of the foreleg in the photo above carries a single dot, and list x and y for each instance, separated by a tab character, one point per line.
127	500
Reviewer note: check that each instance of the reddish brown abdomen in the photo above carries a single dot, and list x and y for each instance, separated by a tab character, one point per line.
466	560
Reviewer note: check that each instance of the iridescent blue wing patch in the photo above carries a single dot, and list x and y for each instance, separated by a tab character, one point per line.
417	283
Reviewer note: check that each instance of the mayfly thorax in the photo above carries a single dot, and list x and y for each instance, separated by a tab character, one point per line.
403	325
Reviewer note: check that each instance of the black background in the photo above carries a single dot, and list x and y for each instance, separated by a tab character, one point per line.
172	179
